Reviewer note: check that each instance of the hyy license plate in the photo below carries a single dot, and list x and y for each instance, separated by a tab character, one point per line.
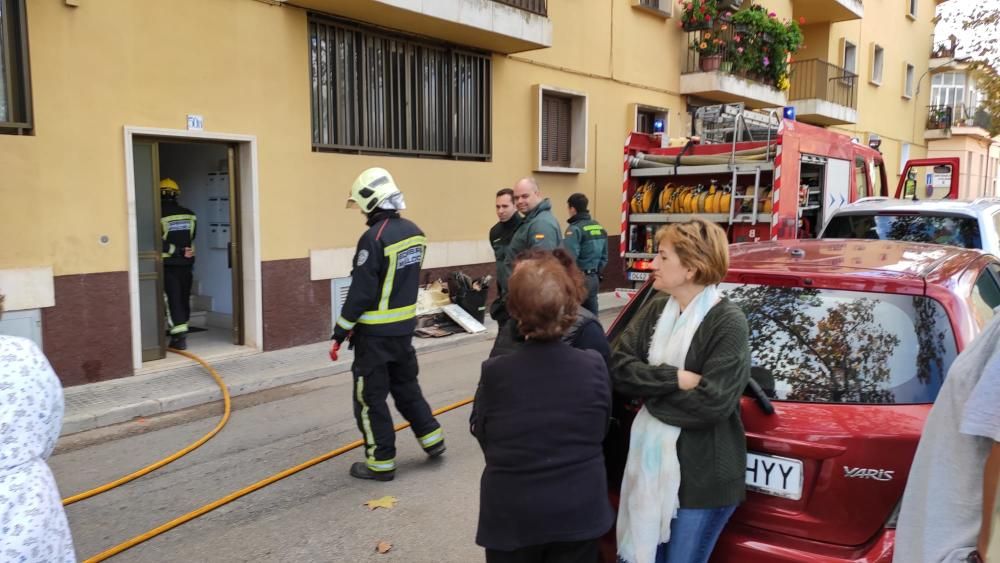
772	475
638	276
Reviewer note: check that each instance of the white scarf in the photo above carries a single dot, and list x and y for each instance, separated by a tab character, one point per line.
652	472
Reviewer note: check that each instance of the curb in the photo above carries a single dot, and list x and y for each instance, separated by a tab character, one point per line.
146	407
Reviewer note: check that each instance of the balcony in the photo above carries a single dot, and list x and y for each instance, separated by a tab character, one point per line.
716	79
944	122
828	11
823	94
499	26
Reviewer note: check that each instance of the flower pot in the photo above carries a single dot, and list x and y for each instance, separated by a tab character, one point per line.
765	38
726	67
740	28
710	63
697	25
725	17
732	5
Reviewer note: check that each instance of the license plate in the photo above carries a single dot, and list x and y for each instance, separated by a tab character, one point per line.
773	475
638	276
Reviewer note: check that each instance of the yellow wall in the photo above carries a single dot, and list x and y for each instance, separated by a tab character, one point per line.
883	109
977	175
243	65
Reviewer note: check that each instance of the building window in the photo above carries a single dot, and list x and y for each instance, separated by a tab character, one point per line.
373	91
911	8
908	82
904	155
562	130
650	119
659	7
15	86
850	57
948	89
878	63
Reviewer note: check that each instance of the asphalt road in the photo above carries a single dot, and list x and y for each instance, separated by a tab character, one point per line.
315	515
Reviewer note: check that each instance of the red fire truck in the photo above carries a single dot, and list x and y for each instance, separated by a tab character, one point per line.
757	175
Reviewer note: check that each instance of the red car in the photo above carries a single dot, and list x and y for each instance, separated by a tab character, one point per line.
850	341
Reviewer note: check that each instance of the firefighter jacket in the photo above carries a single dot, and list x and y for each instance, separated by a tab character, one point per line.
500	236
178	226
539	228
382	300
587	241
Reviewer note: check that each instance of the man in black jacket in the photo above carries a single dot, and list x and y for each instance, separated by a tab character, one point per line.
379	316
178	226
508	220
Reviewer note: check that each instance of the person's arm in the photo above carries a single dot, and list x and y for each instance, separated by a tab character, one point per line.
724	376
630	370
572	241
991	476
363	294
477	422
543	234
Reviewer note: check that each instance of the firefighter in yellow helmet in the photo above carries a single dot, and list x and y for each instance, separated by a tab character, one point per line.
178	226
379	317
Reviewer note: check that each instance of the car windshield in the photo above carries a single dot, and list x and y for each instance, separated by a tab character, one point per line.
937	229
832	346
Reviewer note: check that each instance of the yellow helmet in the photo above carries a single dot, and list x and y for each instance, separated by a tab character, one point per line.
371	188
169	187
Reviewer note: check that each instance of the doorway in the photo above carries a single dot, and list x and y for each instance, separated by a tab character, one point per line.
208	175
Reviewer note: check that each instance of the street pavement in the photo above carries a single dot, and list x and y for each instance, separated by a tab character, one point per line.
315	515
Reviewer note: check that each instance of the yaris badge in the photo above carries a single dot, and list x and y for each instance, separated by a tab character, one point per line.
865	473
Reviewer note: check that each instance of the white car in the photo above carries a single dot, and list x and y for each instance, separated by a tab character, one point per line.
967	224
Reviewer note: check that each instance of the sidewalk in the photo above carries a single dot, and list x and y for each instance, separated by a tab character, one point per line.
111	402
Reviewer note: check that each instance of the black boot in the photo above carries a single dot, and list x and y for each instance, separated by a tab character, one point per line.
178	342
361	471
436	450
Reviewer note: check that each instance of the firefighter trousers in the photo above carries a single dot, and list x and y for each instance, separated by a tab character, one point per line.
177	285
385	365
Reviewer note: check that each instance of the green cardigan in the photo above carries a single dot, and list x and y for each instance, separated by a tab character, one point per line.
712	445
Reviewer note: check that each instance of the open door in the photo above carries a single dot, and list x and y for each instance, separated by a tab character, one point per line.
929	178
235	256
152	314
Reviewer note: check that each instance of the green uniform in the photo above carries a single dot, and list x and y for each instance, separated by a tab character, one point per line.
587	241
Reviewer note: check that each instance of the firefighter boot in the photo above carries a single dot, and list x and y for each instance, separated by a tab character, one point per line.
436	450
361	471
178	342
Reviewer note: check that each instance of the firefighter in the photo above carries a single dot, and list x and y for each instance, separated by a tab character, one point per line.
178	226
379	317
587	241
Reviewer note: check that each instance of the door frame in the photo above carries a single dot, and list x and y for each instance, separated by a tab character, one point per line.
246	169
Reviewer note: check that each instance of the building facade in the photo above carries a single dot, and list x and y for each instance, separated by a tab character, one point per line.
264	111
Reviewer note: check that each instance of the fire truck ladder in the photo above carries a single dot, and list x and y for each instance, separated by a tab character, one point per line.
736	214
733	123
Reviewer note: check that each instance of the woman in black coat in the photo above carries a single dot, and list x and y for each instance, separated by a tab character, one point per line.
540	416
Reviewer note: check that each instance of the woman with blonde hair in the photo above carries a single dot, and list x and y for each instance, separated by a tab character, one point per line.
687	356
33	527
541	413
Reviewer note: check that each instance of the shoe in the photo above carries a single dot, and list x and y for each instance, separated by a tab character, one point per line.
361	471
436	450
178	342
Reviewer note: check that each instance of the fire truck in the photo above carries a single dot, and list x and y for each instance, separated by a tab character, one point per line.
756	174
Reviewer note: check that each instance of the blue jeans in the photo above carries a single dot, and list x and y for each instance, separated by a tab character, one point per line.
693	535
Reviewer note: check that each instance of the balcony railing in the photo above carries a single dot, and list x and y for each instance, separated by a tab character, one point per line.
539	7
814	79
942	117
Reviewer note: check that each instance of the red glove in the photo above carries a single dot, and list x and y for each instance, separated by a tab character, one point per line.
334	350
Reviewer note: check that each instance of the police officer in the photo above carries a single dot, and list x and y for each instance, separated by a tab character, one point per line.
379	317
508	220
178	226
587	241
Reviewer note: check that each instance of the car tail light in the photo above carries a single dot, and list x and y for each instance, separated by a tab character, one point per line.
643	265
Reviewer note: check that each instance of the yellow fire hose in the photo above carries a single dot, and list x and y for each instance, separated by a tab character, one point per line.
151	468
111	552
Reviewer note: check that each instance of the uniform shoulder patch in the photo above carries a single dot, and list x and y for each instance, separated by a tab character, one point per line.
362	257
569	232
539	236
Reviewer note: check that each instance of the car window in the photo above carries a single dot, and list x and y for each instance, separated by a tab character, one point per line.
996	223
986	295
938	229
833	346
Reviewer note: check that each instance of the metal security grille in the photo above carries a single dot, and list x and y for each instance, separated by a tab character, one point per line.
556	130
377	92
15	90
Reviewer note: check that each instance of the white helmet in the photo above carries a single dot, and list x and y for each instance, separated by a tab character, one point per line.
371	188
